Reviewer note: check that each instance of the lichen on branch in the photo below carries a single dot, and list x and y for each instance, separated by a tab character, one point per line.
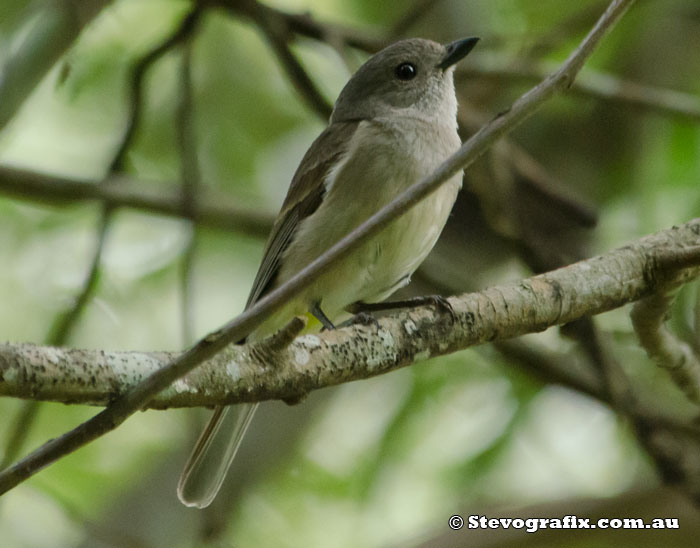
239	373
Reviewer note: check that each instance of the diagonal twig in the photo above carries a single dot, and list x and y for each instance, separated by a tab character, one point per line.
277	32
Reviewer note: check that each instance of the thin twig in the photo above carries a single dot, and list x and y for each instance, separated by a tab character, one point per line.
63	326
61	330
238	328
591	84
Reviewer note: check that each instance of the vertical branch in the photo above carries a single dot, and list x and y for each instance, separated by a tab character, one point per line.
65	323
63	327
136	89
189	171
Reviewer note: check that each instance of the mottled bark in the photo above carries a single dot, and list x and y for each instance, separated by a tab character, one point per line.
253	373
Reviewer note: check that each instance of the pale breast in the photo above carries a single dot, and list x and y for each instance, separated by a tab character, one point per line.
399	249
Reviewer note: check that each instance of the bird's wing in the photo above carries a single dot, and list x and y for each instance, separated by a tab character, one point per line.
303	198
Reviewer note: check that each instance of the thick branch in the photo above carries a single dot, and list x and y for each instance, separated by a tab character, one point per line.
649	317
242	373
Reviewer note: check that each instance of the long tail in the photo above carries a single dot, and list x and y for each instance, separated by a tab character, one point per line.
213	454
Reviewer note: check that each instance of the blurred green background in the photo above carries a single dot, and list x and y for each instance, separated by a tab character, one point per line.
382	462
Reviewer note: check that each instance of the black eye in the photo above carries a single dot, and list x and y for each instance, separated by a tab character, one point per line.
406	71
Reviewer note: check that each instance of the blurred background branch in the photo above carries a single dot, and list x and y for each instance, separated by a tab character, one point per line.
591	84
122	191
55	27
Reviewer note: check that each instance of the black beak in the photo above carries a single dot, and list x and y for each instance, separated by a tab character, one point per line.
456	51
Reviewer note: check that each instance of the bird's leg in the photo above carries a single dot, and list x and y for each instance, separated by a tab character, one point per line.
315	309
437	301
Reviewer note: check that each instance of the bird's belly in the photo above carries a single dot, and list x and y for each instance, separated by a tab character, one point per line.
382	265
399	249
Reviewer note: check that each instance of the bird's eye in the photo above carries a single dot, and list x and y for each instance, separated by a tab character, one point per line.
406	71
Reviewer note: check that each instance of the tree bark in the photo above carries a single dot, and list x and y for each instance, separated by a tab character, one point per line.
270	370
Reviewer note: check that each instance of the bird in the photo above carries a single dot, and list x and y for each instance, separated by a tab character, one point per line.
393	123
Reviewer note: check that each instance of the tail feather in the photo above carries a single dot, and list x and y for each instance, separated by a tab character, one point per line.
213	454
